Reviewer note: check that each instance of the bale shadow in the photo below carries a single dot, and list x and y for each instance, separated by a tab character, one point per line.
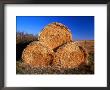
19	49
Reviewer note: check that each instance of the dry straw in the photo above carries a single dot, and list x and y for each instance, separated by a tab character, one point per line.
55	34
69	55
37	55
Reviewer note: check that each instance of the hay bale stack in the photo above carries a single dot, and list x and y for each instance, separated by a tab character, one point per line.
69	55
55	34
37	55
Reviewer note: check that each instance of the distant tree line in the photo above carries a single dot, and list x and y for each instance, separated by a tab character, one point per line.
25	37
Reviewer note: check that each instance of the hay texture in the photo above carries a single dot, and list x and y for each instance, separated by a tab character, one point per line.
69	55
37	55
55	34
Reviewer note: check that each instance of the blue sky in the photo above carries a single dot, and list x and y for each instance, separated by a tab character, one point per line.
81	27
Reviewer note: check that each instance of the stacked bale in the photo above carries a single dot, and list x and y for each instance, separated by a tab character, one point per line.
54	37
55	34
37	55
69	55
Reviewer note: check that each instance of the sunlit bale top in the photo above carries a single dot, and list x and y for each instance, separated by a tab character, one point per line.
55	34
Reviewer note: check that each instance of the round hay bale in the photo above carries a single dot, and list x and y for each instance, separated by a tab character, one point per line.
55	34
86	47
37	55
69	55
